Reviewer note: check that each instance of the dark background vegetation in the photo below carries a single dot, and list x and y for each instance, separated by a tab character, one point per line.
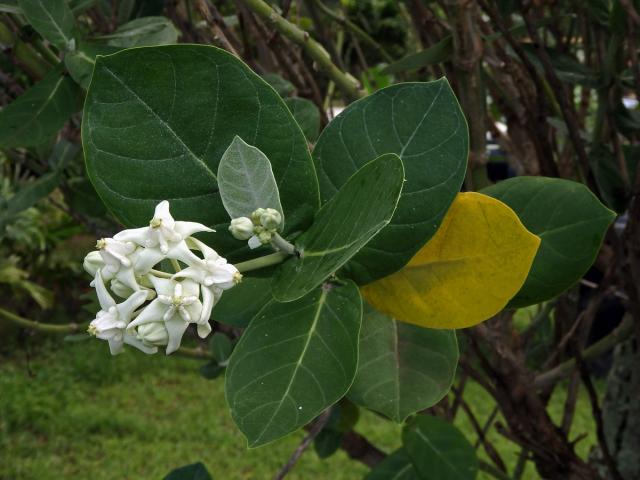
549	88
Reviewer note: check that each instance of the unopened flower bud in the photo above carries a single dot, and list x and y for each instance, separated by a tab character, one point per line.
270	219
92	263
264	237
241	228
153	334
255	216
120	289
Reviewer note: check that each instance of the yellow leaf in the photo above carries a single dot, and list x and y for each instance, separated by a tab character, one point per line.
474	264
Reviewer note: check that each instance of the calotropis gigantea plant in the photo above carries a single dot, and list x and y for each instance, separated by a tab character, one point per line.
373	211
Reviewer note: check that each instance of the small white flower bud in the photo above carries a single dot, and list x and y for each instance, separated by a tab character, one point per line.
241	228
153	334
270	219
120	288
93	262
264	237
255	216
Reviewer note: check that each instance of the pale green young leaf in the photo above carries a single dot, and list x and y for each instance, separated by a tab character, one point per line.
246	180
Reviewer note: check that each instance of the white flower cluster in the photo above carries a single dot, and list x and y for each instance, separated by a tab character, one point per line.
175	299
258	229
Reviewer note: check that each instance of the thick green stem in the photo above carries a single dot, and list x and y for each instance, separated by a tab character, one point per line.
262	262
281	244
41	327
345	82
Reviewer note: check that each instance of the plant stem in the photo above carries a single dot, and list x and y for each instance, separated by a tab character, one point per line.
281	244
262	262
349	85
161	274
355	29
193	353
175	265
41	327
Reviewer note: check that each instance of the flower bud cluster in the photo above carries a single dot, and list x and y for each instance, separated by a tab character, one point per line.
157	306
259	229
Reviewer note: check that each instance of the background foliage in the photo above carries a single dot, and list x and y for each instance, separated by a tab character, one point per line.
548	88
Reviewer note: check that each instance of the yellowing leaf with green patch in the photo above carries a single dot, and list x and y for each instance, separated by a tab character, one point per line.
474	264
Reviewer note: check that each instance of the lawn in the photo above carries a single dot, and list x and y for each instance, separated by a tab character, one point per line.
73	412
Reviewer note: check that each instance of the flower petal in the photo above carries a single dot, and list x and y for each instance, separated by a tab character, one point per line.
176	328
152	313
186	229
204	329
126	308
104	298
134	342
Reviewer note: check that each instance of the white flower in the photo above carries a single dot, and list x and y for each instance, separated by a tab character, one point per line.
163	238
93	262
115	253
163	230
112	320
153	334
241	228
177	305
214	274
115	259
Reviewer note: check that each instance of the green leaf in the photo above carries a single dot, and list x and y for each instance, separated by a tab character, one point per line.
157	121
403	368
293	361
52	19
279	84
143	32
221	347
27	196
613	189
195	471
570	221
362	207
327	443
81	61
241	303
40	112
246	181
10	6
437	53
439	450
423	124
307	115
396	466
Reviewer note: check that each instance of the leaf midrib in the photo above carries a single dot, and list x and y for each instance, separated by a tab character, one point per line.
200	162
298	365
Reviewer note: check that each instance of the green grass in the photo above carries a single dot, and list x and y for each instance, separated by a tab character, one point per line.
74	412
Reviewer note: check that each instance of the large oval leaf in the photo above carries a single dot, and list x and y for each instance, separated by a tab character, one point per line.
38	114
52	19
570	221
293	361
158	119
396	466
402	368
424	125
439	450
468	272
362	207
